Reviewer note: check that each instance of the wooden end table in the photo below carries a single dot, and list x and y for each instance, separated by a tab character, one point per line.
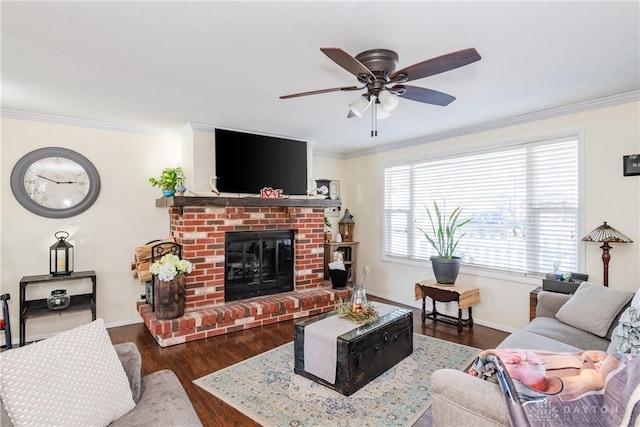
465	296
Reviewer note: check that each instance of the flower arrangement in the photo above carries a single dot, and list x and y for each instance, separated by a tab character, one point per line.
170	266
363	315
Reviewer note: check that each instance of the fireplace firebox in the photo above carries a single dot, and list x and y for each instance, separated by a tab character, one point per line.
258	263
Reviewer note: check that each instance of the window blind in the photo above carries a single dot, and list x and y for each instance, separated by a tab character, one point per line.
523	200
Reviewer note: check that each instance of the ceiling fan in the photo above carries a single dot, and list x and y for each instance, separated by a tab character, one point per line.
376	71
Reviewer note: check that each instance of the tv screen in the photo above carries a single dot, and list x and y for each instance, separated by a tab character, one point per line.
246	163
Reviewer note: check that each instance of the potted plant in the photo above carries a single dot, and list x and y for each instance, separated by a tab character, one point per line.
168	180
327	230
444	240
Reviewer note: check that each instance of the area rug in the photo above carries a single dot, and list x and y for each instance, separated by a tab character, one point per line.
266	389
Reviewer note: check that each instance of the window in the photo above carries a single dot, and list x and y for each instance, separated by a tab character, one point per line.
523	200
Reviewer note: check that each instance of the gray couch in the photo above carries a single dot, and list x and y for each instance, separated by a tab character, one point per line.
160	398
460	399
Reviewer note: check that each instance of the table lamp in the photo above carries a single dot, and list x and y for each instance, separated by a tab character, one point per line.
606	234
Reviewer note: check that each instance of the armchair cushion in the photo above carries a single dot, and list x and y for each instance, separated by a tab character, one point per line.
593	308
74	378
132	363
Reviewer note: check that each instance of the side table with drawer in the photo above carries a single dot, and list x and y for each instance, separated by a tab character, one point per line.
465	296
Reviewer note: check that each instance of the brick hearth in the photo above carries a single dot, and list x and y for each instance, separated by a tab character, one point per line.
201	232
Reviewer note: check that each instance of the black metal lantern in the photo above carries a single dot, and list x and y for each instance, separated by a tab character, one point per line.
61	256
346	226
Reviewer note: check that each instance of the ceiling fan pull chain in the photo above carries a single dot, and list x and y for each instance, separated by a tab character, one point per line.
374	120
373	113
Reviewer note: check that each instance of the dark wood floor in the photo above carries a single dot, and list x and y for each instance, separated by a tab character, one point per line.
198	358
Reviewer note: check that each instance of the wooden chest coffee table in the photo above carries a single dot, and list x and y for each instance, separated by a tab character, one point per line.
362	353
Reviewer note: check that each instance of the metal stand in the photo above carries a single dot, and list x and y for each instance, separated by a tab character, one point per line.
7	320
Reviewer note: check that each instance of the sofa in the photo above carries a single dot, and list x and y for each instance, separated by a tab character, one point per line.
460	399
153	400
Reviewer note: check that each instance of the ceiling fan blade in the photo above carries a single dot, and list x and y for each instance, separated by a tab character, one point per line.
421	94
316	92
346	61
439	64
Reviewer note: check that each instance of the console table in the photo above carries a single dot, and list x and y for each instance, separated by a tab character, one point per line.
465	296
38	307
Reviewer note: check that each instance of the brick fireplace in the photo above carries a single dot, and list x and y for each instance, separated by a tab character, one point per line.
199	224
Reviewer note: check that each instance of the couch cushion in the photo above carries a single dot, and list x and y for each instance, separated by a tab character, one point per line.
593	308
558	331
532	341
132	363
73	379
163	403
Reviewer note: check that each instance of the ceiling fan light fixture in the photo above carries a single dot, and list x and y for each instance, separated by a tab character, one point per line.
359	106
388	101
381	113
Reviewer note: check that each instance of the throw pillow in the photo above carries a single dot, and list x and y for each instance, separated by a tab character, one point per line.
73	379
593	308
626	336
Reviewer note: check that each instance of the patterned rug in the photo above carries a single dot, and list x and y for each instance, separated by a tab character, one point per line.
266	389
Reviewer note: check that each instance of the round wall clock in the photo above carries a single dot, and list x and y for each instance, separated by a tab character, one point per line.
55	182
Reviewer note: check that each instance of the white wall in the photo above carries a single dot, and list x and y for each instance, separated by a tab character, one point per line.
125	215
609	133
104	236
333	169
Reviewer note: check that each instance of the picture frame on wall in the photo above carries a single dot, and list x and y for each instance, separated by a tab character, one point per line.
631	165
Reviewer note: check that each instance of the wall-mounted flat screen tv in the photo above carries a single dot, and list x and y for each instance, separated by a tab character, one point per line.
246	163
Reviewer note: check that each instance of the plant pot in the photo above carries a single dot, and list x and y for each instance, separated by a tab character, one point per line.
446	270
168	193
169	302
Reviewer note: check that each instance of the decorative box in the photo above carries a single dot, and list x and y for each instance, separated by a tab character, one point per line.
363	353
564	287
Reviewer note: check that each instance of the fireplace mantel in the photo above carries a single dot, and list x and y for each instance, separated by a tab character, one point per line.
184	201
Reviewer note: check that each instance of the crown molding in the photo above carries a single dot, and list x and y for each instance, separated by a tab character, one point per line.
608	101
94	124
579	107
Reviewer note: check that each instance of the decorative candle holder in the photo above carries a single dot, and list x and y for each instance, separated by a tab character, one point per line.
59	300
358	299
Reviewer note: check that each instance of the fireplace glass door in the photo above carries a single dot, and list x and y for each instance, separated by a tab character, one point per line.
258	263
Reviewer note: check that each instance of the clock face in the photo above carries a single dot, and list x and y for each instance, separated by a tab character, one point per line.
55	182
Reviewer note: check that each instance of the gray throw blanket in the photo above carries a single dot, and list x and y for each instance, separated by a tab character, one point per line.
565	389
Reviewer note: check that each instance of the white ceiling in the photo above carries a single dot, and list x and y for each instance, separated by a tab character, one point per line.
161	65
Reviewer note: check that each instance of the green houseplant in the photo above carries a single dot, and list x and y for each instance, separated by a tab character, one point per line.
168	180
328	235
444	239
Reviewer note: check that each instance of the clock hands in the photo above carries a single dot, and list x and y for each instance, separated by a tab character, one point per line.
57	182
48	179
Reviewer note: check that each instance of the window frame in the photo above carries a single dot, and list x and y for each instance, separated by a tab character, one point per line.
480	271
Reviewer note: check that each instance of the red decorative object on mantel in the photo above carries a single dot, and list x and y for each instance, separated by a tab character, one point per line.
270	193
